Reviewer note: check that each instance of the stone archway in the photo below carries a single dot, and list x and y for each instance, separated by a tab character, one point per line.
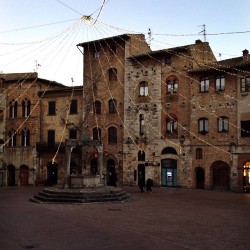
220	175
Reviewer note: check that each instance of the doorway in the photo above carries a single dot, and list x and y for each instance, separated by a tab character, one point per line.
141	172
24	175
52	170
111	175
246	177
200	178
169	173
11	181
221	175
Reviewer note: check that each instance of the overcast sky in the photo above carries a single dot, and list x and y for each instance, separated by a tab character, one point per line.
41	35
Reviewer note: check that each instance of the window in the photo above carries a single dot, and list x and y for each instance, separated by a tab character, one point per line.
141	155
112	135
171	125
143	89
72	134
204	84
245	128
172	86
222	123
113	50
142	125
245	84
168	60
12	138
52	108
112	106
203	125
51	138
96	53
25	137
199	153
220	83
112	74
25	108
1	115
13	109
97	134
97	107
73	107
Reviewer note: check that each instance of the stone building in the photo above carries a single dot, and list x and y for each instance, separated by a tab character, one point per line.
105	65
157	113
61	120
22	126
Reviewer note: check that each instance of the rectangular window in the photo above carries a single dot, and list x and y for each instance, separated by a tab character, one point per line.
204	84
168	60
245	85
203	125
52	108
73	107
222	123
96	54
220	83
72	134
245	128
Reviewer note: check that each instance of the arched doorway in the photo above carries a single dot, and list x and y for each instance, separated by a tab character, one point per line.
221	174
52	170
169	168
246	177
11	175
24	175
111	175
200	178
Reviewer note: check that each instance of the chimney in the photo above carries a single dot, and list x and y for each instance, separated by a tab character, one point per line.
245	53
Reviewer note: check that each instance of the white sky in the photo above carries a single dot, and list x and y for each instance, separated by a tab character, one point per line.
46	32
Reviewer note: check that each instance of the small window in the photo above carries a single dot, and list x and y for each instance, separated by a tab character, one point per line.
220	83
13	109
72	134
25	108
199	153
245	84
112	135
168	60
12	138
97	134
204	84
96	53
143	89
171	126
222	123
112	106
25	137
73	107
142	125
52	108
112	74
97	107
172	86
245	128
203	125
141	156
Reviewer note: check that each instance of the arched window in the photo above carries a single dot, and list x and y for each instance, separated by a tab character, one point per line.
13	109
222	123
112	74
199	153
141	155
12	138
112	135
169	150
112	106
172	85
203	125
142	125
143	88
97	107
171	125
25	107
25	137
97	134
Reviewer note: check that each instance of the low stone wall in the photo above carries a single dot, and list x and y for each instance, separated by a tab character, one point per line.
80	181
